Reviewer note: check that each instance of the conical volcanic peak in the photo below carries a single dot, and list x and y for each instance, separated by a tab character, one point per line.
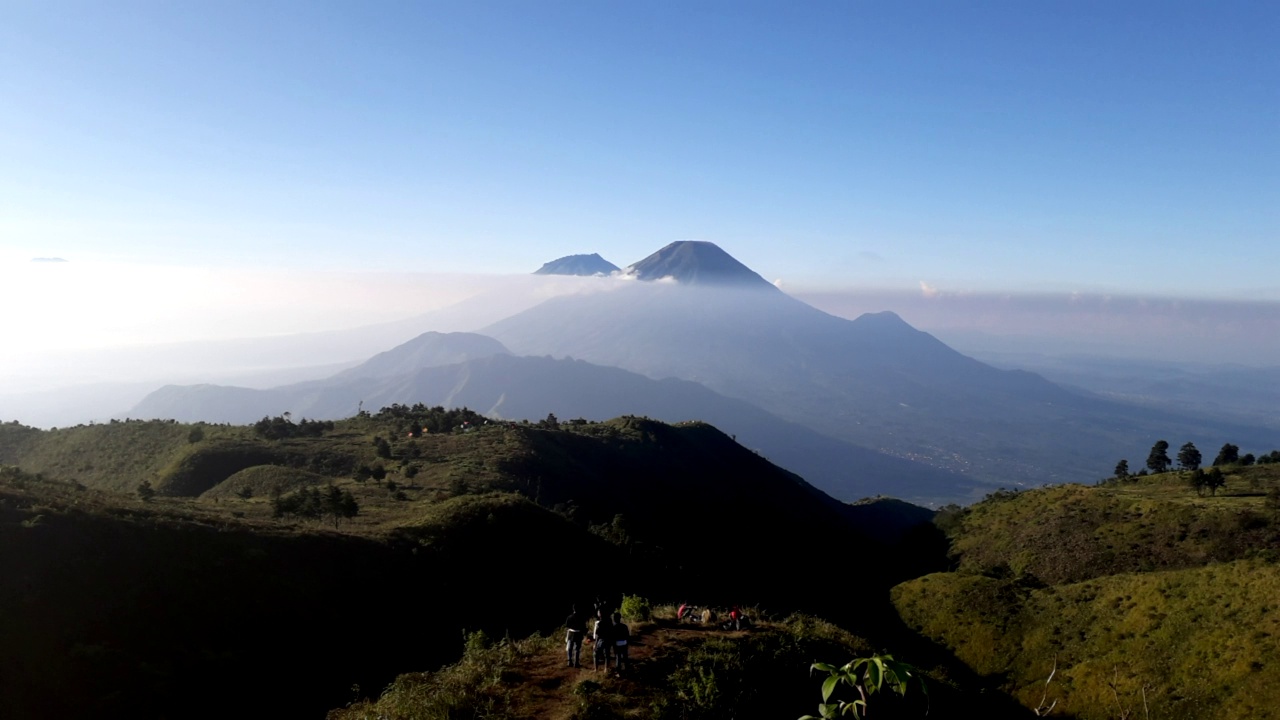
588	265
696	262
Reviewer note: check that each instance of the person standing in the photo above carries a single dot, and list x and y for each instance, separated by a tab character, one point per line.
621	641
575	633
603	641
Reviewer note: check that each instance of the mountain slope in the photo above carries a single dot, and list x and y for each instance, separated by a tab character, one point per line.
429	349
874	381
531	387
696	262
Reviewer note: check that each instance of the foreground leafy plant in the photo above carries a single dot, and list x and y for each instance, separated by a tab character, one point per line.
868	676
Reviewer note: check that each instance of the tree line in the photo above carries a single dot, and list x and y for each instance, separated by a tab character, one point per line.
312	504
1189	459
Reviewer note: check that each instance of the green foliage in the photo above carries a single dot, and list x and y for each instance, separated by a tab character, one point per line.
636	609
312	504
756	675
418	418
1189	457
196	434
281	427
476	686
867	676
1227	455
1158	459
1214	481
1197	481
614	532
1122	470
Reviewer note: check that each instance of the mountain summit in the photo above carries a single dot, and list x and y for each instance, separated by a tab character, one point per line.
591	264
696	262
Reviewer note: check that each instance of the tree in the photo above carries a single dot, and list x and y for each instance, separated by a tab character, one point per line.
1214	480
1197	481
1189	457
1122	469
1247	459
196	435
145	491
1227	455
1158	461
340	505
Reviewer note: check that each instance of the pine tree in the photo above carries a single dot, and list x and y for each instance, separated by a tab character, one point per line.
1189	457
1227	455
1158	461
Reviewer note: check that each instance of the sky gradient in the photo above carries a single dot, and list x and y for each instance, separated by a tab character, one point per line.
926	147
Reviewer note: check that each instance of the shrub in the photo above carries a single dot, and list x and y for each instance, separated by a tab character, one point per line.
635	607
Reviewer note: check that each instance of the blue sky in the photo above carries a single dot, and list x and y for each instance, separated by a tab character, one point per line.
1106	147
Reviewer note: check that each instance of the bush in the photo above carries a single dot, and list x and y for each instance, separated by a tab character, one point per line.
635	607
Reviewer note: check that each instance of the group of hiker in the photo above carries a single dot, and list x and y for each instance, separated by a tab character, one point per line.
737	620
610	638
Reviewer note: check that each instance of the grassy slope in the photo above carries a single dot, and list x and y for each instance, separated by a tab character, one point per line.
1203	642
1071	532
679	671
1149	587
134	606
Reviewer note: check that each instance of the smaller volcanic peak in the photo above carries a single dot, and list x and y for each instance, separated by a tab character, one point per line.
587	265
696	262
429	349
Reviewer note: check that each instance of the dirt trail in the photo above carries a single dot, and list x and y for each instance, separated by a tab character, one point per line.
549	682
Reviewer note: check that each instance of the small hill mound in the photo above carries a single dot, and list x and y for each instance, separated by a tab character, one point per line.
696	262
262	481
587	265
206	466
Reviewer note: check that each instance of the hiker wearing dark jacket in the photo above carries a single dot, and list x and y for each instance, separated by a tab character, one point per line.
575	632
621	640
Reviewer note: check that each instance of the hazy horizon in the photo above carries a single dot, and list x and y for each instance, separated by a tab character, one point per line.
186	317
1047	178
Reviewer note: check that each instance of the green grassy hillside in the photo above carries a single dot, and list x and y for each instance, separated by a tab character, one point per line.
118	603
1201	642
1150	599
1072	532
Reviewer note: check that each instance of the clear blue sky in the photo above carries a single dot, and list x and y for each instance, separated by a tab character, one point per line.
1020	146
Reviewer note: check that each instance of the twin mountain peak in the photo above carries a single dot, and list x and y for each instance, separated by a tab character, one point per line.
691	262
